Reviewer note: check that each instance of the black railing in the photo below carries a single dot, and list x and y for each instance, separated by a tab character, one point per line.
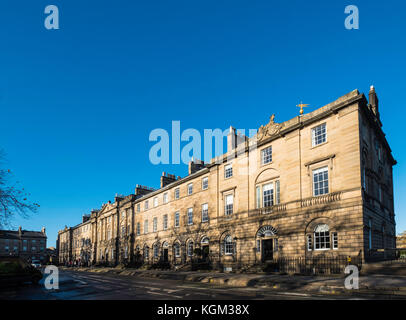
312	265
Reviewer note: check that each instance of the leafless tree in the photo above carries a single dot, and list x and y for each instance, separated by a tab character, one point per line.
13	198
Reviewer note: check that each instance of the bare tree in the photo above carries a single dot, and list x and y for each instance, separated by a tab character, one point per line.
13	198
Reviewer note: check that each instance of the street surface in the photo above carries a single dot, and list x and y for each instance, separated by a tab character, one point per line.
74	285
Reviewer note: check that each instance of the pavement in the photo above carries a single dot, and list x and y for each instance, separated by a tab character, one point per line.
368	284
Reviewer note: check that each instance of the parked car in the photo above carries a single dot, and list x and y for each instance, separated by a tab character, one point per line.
36	264
14	270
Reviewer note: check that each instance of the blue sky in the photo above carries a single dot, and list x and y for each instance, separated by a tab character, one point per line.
77	104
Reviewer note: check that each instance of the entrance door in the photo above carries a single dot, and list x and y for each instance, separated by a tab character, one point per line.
205	252
267	250
165	255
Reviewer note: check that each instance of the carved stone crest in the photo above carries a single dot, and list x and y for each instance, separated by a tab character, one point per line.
269	130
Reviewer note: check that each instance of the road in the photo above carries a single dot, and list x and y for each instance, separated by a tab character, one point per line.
75	285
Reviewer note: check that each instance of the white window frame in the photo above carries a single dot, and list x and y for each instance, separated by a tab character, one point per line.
155	201
176	250
228	245
177	219
205	212
315	138
190	216
334	240
227	205
228	171
155	224
146	226
165	197
205	183
271	195
319	235
190	248
165	222
318	171
177	193
146	205
190	189
266	156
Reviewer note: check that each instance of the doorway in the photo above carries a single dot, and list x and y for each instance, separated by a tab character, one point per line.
205	252
267	250
165	255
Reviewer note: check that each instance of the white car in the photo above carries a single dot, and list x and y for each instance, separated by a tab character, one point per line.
36	263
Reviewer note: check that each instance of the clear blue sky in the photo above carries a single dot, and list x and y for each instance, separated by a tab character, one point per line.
78	104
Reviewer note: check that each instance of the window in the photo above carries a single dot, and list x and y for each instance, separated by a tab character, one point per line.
205	183
165	198
205	212
138	207
335	240
123	231
258	245
258	195
190	188
370	233
278	192
275	244
309	242
267	195
228	245
321	237
228	171
156	202
319	135
190	249
378	150
266	155
145	226
320	181
176	248
156	251
165	223
32	248
190	216
229	201
24	248
146	253
155	224
177	193
176	219
146	205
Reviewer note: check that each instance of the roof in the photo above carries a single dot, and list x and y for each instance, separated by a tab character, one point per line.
11	234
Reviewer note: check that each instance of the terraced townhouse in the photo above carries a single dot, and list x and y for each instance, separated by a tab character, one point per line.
319	184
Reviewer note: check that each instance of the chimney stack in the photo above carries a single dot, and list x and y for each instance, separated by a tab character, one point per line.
43	230
20	231
231	139
167	178
195	165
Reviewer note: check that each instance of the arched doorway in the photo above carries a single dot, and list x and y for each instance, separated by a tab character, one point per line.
204	244
267	243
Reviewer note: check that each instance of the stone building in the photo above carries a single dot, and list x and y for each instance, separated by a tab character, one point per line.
319	184
75	243
29	245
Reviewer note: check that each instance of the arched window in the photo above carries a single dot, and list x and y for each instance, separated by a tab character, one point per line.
156	251
176	248
205	241
146	253
228	245
322	237
190	248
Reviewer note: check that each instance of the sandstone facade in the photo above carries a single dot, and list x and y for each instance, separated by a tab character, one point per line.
318	184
